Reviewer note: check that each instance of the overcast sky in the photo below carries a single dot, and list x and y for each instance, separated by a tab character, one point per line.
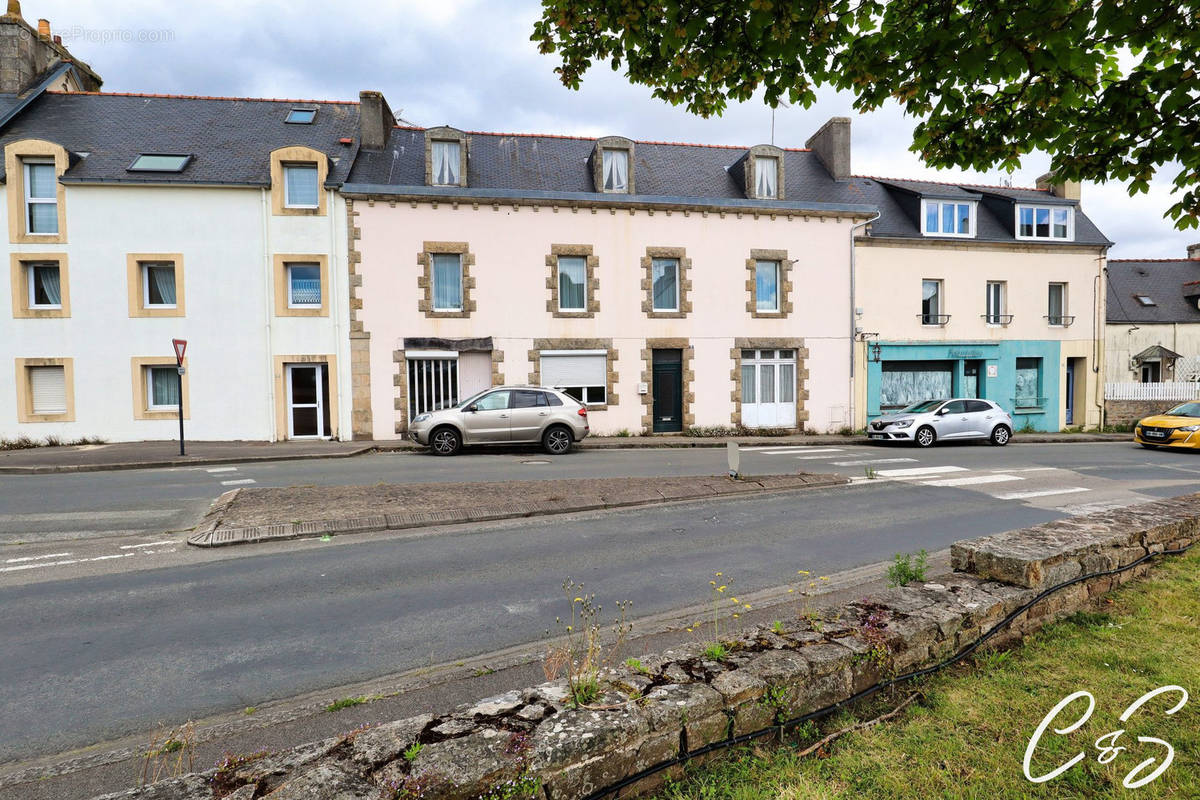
470	64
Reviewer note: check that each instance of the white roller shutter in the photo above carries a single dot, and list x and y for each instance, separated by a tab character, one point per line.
48	385
575	369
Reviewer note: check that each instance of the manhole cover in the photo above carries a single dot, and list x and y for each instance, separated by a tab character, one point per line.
535	461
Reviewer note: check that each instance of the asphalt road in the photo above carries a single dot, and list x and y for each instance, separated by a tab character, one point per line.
91	655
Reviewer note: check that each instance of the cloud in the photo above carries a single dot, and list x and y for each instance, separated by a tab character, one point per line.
470	63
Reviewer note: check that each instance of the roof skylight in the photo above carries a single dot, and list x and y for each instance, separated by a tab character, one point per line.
159	162
1145	299
301	116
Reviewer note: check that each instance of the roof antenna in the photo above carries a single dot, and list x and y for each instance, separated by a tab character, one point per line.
785	105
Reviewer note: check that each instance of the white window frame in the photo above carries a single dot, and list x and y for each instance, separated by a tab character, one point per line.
778	287
941	296
145	267
558	290
774	162
585	394
462	289
997	316
456	162
26	163
1062	311
287	174
653	297
31	280
287	276
972	209
148	376
1070	237
62	370
615	152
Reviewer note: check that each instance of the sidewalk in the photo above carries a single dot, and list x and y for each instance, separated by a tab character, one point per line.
149	455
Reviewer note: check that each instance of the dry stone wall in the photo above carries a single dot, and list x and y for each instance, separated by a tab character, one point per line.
534	743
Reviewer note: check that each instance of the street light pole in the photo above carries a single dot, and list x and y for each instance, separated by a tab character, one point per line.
180	346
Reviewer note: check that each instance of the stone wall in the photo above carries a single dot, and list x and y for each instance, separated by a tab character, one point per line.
1127	412
680	701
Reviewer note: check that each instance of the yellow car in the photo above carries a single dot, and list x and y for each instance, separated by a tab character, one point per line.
1179	427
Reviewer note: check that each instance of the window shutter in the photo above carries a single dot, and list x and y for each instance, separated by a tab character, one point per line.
571	370
48	386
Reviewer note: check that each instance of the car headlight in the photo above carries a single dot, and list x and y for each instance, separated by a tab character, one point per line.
904	423
420	418
1191	428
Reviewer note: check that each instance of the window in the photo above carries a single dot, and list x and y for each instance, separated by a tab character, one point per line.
41	197
527	398
766	173
45	286
665	284
931	303
159	162
304	285
768	388
1145	300
572	283
1056	312
1045	222
496	401
446	163
301	116
48	389
1151	372
766	285
162	388
615	170
432	384
158	285
447	282
301	188
995	304
582	374
978	406
943	218
1029	383
903	383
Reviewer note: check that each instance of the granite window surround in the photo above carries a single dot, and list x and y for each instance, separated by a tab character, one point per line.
785	306
749	170
425	279
591	262
535	361
754	343
683	282
597	163
446	134
400	373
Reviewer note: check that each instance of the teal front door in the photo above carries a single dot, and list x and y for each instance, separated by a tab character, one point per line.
668	391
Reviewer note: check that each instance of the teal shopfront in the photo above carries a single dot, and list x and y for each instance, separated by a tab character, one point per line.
1021	376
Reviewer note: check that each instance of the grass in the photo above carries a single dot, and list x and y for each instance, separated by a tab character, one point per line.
346	702
907	568
966	737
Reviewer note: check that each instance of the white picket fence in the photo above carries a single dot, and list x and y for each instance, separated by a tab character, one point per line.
1151	391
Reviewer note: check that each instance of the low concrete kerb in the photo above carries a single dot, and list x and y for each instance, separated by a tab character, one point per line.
210	533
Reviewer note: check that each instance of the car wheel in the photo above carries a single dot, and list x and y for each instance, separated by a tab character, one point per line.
1000	435
445	441
925	436
557	441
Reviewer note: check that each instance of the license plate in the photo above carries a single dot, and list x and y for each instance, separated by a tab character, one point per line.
1156	434
875	436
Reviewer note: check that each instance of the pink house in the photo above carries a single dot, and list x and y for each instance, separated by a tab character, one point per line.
667	286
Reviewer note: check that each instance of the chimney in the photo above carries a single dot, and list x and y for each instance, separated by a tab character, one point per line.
832	145
14	9
1067	190
44	28
57	39
1194	250
26	53
375	120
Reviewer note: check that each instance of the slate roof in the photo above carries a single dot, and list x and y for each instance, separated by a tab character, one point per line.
230	138
1162	281
524	163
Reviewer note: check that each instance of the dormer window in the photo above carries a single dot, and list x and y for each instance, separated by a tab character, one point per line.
766	173
301	116
446	156
1046	222
301	185
616	170
948	218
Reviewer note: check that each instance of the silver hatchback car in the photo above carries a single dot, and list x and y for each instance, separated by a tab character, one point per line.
504	415
932	420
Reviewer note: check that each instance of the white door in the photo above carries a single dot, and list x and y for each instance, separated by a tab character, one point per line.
769	388
306	401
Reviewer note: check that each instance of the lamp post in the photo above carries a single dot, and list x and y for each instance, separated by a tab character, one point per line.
180	346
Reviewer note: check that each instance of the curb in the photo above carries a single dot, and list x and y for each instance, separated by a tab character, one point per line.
210	534
44	469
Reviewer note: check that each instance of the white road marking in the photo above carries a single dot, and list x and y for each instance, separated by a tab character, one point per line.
818	458
243	481
222	469
147	544
971	481
1029	469
873	461
773	451
918	472
35	558
1039	493
65	562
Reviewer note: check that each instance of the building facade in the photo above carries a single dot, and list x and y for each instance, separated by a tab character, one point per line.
666	286
981	291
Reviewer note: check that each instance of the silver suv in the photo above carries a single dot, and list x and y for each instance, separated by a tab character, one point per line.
926	422
504	415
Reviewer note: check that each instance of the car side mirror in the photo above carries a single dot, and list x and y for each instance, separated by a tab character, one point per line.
942	411
472	408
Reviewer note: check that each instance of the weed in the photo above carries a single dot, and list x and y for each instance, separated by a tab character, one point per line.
169	754
412	752
804	608
715	649
522	786
776	699
907	568
991	660
53	441
871	473
624	433
248	710
872	629
777	626
346	702
584	654
224	780
1027	427
479	672
636	665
